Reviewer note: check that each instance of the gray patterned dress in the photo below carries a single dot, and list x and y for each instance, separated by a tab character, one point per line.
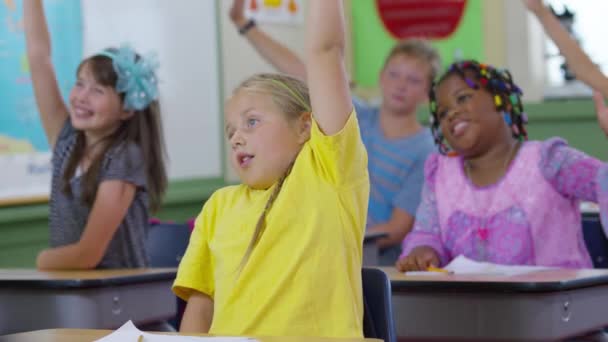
68	214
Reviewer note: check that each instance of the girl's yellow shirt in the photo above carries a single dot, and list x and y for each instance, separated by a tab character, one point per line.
304	276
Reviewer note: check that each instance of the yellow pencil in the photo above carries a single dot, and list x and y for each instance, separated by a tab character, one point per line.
140	338
437	269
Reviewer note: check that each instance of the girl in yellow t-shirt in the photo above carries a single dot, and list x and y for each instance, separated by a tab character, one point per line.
280	254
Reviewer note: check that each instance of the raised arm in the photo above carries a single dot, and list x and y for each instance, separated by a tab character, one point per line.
53	111
582	66
326	73
278	55
601	110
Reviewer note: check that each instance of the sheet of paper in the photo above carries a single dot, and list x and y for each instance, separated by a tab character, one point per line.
589	207
424	273
129	333
462	265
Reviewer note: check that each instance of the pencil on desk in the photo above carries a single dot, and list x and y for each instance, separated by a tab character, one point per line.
437	269
140	338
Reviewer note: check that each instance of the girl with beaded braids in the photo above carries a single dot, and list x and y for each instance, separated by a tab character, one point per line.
506	96
490	194
108	153
280	254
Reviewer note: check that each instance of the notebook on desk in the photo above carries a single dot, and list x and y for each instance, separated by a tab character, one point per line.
129	333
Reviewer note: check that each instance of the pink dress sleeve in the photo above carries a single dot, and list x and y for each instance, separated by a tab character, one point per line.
427	231
571	172
576	175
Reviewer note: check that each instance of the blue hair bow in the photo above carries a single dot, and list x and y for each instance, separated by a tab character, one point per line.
136	77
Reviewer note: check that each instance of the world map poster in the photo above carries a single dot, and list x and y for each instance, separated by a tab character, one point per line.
24	152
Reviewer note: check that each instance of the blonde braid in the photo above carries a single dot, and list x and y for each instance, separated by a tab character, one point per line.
261	225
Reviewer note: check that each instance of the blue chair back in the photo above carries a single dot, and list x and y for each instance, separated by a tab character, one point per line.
167	243
378	308
595	239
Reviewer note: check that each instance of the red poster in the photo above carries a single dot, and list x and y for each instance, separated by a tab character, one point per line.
421	18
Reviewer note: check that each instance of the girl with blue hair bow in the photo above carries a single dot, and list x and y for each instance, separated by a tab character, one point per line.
108	153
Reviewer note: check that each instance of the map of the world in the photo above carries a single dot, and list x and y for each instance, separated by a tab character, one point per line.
24	152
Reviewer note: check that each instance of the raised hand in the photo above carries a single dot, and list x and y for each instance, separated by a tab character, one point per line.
237	13
534	6
53	110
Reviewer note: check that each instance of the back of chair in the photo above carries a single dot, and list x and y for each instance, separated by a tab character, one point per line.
167	243
595	239
378	309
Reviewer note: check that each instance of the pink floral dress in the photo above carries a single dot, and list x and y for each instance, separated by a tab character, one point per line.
529	217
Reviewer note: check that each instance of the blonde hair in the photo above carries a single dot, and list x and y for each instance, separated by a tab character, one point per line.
291	96
419	49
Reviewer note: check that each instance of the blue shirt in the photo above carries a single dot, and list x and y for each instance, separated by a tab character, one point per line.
396	166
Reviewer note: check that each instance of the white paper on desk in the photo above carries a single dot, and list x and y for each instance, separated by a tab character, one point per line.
462	265
129	332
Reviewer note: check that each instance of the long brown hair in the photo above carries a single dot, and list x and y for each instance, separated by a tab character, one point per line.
291	96
144	128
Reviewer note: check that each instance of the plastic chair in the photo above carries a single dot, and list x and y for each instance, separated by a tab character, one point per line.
595	239
166	245
378	308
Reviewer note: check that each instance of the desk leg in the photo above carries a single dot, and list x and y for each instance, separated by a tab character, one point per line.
370	254
23	309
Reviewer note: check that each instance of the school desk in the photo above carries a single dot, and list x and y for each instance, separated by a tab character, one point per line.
82	335
97	299
370	249
542	306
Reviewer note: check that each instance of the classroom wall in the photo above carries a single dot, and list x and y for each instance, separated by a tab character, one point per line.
525	49
372	41
183	34
493	22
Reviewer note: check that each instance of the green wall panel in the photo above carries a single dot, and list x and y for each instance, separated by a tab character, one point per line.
372	42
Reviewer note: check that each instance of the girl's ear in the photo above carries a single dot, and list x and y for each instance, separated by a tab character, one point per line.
303	127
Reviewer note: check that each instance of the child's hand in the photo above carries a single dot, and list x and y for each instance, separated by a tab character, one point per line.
601	110
534	6
419	259
237	12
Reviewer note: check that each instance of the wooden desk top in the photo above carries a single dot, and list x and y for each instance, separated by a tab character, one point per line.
31	278
82	335
539	281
